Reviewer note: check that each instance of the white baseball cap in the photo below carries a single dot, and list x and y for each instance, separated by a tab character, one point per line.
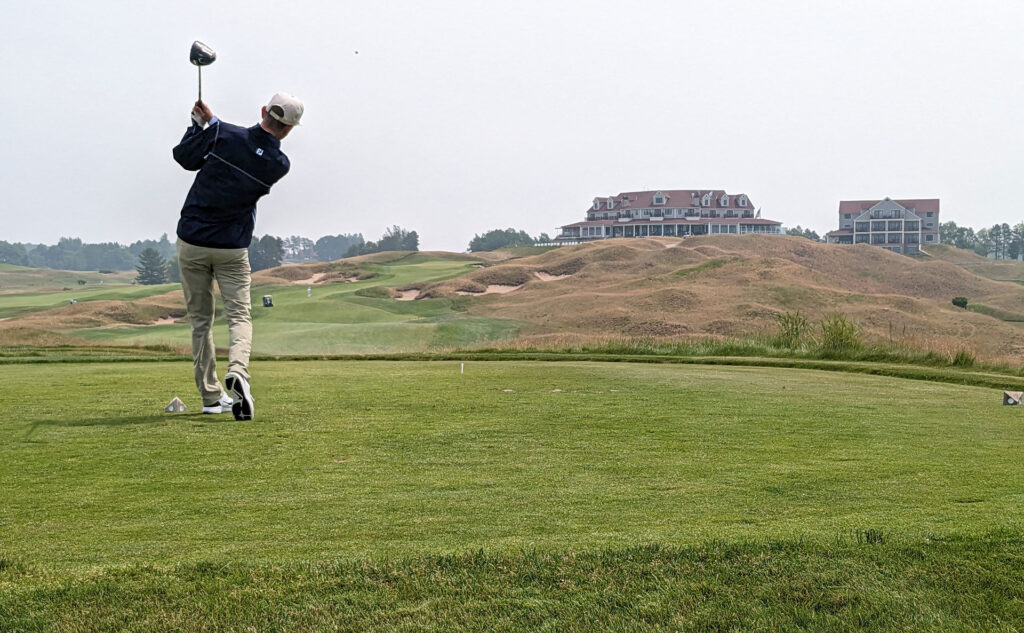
291	106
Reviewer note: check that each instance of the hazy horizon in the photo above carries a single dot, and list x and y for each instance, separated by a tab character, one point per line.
456	118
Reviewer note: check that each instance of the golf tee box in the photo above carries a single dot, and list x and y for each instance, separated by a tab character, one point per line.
1012	398
175	406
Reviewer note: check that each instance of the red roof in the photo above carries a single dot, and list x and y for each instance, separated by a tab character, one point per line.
698	221
675	198
922	205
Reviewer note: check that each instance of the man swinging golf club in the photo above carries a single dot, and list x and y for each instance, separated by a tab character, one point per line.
236	167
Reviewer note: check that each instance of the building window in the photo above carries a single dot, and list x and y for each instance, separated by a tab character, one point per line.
847	216
878	226
930	214
724	201
929	238
742	201
610	204
862	227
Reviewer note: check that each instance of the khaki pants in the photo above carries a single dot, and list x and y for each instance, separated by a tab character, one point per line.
199	268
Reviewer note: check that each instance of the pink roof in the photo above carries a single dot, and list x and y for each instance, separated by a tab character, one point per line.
696	221
675	198
919	205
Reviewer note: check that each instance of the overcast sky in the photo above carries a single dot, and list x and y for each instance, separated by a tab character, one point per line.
459	117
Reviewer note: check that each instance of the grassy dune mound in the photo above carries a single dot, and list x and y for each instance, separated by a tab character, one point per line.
713	286
737	285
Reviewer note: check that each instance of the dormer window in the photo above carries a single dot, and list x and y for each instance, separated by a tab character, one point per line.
706	200
597	204
659	198
742	201
610	204
724	200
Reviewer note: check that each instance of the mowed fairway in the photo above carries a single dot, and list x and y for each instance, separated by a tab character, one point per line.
337	320
382	459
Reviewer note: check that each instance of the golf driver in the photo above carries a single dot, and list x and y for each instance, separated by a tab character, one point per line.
201	55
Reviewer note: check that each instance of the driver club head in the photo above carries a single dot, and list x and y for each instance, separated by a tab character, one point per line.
201	54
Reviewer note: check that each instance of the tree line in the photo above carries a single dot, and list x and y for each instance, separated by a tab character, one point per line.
505	238
999	241
70	253
269	251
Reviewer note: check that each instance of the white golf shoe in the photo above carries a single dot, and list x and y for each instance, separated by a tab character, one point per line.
238	386
221	406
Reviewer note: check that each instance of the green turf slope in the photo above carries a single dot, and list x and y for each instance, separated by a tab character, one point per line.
336	320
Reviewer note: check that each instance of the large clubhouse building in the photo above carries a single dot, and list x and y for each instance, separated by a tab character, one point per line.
673	213
901	226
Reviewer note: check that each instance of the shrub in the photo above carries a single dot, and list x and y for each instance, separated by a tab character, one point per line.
963	358
839	335
374	292
960	302
792	328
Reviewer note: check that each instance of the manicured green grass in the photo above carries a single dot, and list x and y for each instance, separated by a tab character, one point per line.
25	279
336	320
953	585
779	499
22	303
377	458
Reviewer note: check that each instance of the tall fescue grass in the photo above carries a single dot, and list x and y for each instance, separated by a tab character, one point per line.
837	337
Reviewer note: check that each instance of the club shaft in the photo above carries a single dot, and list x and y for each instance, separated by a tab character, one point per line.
200	82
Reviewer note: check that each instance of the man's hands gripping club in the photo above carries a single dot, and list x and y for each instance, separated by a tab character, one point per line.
201	113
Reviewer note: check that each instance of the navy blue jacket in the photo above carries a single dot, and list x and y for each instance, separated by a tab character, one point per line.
237	166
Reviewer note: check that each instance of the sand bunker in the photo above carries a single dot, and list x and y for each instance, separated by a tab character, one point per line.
548	277
164	321
408	295
312	280
492	289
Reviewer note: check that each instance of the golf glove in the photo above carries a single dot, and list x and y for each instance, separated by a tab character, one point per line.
198	119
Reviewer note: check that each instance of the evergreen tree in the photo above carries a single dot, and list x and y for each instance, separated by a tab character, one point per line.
800	232
173	271
394	239
152	268
13	254
498	238
265	252
959	236
331	247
